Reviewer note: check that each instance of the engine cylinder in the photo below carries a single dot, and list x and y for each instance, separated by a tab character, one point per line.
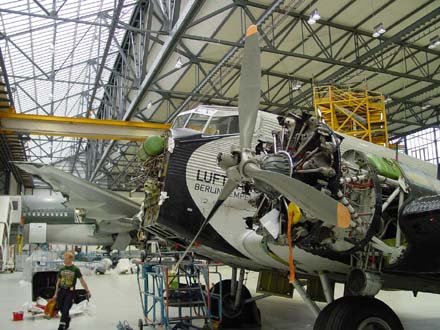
279	163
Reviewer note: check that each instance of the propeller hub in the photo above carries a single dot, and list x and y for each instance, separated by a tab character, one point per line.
247	156
226	161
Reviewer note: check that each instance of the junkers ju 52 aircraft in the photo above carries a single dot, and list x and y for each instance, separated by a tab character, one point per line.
289	196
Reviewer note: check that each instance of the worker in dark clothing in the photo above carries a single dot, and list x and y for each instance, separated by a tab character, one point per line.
65	288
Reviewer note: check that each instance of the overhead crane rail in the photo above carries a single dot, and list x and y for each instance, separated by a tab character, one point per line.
11	122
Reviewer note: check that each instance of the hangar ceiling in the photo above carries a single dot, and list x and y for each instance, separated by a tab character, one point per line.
148	60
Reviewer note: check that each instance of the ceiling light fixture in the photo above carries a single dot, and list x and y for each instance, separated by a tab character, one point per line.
314	16
149	105
296	85
179	63
378	30
434	42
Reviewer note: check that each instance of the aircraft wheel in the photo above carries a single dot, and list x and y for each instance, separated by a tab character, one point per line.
246	314
357	313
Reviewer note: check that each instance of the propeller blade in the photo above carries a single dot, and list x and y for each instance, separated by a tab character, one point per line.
319	204
227	190
249	96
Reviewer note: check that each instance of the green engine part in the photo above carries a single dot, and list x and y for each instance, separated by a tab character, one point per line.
386	167
142	155
154	145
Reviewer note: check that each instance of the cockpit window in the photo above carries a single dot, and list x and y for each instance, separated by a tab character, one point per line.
208	122
222	125
181	121
197	122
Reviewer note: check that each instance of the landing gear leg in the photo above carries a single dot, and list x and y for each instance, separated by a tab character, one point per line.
238	301
328	291
310	303
234	281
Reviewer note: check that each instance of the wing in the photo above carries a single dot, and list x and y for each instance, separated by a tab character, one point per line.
100	204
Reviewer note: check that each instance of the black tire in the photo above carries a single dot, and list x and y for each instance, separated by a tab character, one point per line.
248	314
321	321
349	313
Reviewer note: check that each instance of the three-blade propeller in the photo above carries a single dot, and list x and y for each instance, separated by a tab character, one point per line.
246	167
316	203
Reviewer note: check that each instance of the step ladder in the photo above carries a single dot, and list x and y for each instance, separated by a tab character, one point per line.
178	298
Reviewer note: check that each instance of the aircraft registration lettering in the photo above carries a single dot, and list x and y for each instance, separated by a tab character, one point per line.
211	177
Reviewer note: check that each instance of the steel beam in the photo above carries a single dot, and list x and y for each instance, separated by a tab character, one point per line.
331	24
79	127
6	79
183	95
42	7
189	12
398	37
71	20
111	33
343	64
225	58
219	27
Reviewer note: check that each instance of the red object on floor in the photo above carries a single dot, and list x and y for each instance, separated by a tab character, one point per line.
17	316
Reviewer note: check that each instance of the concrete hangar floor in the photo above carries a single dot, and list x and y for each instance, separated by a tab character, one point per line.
117	298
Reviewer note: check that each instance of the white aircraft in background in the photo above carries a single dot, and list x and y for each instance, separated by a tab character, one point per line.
111	220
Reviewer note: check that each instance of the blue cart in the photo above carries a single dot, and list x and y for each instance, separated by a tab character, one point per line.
178	298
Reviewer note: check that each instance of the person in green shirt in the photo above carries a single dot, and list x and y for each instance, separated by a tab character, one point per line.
65	288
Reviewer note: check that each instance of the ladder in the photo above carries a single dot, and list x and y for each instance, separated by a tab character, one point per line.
177	298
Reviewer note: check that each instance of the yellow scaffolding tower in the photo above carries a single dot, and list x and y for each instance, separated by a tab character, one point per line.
355	112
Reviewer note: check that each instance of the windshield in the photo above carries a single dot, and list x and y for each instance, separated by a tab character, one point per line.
222	126
181	121
208	123
197	122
